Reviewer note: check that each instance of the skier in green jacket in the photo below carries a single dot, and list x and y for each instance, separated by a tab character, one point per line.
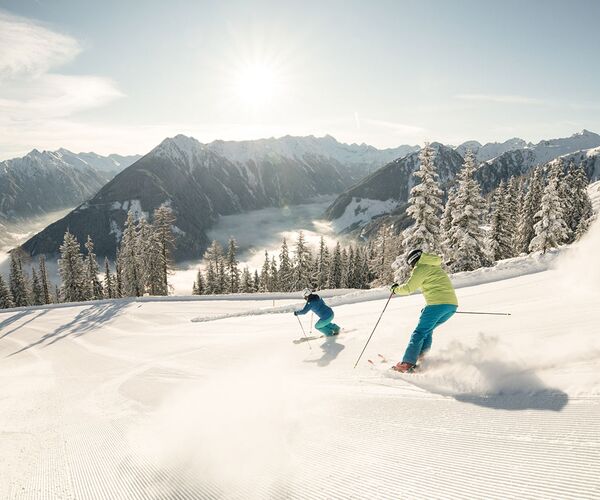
438	291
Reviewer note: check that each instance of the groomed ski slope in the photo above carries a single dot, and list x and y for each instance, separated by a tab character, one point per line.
134	400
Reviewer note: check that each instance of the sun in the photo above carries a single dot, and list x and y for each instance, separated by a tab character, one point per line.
257	84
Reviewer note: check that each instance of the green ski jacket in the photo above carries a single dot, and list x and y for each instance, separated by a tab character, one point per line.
428	276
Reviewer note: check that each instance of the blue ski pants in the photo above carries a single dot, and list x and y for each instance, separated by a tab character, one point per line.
420	340
327	327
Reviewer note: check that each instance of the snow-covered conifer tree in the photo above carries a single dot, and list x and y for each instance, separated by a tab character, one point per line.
577	203
109	285
256	281
211	278
466	240
17	282
531	204
94	289
302	264
322	265
163	222
131	259
286	270
44	281
335	268
6	299
199	285
232	269
71	270
265	274
446	221
246	285
274	274
550	228
118	276
37	294
501	231
425	207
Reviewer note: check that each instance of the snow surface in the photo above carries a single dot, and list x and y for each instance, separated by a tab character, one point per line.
130	399
362	210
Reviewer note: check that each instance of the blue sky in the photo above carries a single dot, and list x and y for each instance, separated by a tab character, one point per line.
119	76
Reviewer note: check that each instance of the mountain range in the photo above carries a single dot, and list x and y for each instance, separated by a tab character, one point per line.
202	182
386	191
41	182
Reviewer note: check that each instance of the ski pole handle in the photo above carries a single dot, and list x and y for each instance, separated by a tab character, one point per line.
374	328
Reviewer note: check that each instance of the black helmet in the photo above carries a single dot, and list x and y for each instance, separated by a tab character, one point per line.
413	257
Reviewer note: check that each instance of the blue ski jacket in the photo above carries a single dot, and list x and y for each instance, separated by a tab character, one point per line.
317	305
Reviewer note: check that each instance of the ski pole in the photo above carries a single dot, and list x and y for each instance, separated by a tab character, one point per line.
304	333
488	313
374	328
311	323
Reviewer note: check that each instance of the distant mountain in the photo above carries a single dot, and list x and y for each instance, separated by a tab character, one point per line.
491	149
385	192
45	181
520	161
111	164
358	159
203	181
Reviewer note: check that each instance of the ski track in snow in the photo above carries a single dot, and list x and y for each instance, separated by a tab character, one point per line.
130	399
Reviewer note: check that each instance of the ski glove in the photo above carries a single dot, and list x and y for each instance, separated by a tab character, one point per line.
393	287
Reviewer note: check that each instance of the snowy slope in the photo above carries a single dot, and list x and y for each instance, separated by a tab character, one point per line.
133	400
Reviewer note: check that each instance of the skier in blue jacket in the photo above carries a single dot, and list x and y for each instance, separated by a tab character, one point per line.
316	304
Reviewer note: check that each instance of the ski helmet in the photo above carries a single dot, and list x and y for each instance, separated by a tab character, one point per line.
306	292
413	257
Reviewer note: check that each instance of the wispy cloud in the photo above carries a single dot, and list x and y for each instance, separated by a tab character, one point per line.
499	98
33	96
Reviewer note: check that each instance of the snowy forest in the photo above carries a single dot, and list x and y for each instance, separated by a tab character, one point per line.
543	209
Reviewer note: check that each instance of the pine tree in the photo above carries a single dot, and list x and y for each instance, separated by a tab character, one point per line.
94	289
233	271
109	285
256	282
550	228
44	281
163	223
285	268
215	270
17	282
322	265
335	268
362	268
274	273
265	278
386	248
118	276
211	279
131	259
37	294
531	205
466	241
302	264
155	269
6	299
246	285
446	221
199	285
500	235
425	207
513	208
71	270
576	201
